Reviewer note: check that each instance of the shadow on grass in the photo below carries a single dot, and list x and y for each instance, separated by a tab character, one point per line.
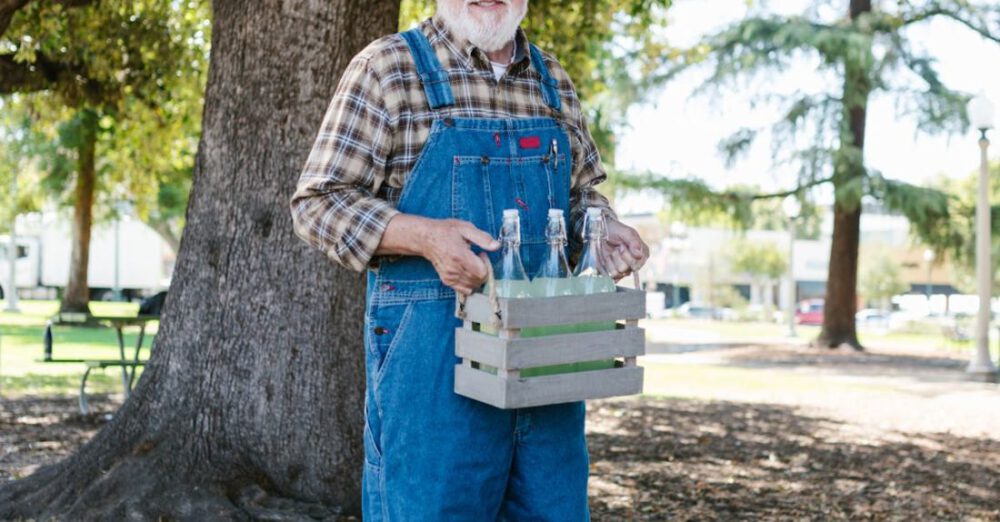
663	459
660	459
41	430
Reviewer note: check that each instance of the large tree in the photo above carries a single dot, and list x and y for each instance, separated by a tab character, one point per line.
864	52
251	406
96	65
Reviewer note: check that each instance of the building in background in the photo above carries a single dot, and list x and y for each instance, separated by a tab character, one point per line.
127	256
687	263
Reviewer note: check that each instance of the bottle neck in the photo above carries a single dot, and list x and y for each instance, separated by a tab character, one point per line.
554	264
590	263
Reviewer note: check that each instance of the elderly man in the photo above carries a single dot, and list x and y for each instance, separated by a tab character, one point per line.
431	134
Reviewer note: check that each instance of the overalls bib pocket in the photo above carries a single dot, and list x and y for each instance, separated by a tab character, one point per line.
540	187
484	186
472	191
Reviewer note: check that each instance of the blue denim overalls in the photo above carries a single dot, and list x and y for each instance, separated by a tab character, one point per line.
432	455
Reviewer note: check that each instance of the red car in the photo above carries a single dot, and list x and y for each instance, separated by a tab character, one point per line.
810	311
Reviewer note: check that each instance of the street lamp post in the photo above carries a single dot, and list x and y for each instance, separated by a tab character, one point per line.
981	367
117	290
792	207
678	233
929	259
11	291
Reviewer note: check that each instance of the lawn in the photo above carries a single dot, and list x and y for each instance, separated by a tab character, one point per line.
695	331
21	347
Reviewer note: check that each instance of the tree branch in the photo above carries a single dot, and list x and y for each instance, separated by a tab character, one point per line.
7	10
982	29
29	77
789	192
72	80
9	7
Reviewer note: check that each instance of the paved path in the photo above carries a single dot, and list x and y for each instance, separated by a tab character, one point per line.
887	391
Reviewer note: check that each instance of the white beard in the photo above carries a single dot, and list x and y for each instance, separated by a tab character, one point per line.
489	35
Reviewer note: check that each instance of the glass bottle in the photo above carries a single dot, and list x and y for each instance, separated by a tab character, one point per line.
591	277
553	279
508	272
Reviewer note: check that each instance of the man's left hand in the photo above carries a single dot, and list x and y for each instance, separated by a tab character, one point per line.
626	252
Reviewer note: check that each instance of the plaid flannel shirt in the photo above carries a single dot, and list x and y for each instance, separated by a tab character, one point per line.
379	119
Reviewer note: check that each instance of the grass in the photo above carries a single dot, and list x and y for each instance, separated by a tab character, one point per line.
731	331
21	346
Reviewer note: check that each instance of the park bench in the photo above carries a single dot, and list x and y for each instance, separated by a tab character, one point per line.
148	311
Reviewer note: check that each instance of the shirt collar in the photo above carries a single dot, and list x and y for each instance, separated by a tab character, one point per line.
472	54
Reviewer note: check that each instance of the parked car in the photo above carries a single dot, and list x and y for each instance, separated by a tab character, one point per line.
872	317
701	311
696	311
810	312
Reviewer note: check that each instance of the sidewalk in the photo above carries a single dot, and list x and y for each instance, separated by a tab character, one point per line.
886	389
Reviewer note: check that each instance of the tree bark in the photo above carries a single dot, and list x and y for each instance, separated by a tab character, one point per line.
840	304
251	406
77	293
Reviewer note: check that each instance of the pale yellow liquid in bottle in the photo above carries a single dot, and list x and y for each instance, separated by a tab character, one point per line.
549	287
509	289
586	286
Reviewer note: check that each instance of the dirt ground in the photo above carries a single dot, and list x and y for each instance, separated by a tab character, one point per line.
887	448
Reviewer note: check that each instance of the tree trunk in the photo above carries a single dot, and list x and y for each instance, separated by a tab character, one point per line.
251	406
77	293
840	304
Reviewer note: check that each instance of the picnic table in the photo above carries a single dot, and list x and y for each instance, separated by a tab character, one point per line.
118	323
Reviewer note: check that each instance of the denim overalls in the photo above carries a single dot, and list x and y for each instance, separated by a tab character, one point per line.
432	455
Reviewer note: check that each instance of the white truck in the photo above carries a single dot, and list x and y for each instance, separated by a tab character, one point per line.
144	260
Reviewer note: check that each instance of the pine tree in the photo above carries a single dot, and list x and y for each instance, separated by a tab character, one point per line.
866	50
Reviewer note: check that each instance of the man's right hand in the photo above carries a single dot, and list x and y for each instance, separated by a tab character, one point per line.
446	243
448	248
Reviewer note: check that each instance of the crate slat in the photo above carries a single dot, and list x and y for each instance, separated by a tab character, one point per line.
549	389
625	303
529	352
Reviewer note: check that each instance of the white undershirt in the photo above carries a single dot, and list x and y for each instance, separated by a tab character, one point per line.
500	68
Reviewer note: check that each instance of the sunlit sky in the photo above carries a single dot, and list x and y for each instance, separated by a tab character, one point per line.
677	133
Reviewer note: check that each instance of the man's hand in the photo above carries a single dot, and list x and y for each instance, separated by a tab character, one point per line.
448	248
446	243
626	252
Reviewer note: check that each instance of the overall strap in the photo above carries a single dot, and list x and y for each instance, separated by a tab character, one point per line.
437	85
550	89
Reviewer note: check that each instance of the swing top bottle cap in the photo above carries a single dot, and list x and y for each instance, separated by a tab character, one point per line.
510	213
594	212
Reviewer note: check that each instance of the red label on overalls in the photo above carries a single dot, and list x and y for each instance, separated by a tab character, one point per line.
531	142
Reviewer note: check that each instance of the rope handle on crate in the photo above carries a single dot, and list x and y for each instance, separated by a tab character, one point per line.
494	300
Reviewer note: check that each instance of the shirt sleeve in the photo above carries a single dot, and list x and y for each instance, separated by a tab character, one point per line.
588	171
335	207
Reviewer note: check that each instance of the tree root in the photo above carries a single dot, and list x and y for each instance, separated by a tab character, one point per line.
845	342
136	491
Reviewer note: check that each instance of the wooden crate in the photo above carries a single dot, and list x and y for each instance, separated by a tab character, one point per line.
510	353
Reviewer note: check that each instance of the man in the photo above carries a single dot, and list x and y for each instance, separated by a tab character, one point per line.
431	134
